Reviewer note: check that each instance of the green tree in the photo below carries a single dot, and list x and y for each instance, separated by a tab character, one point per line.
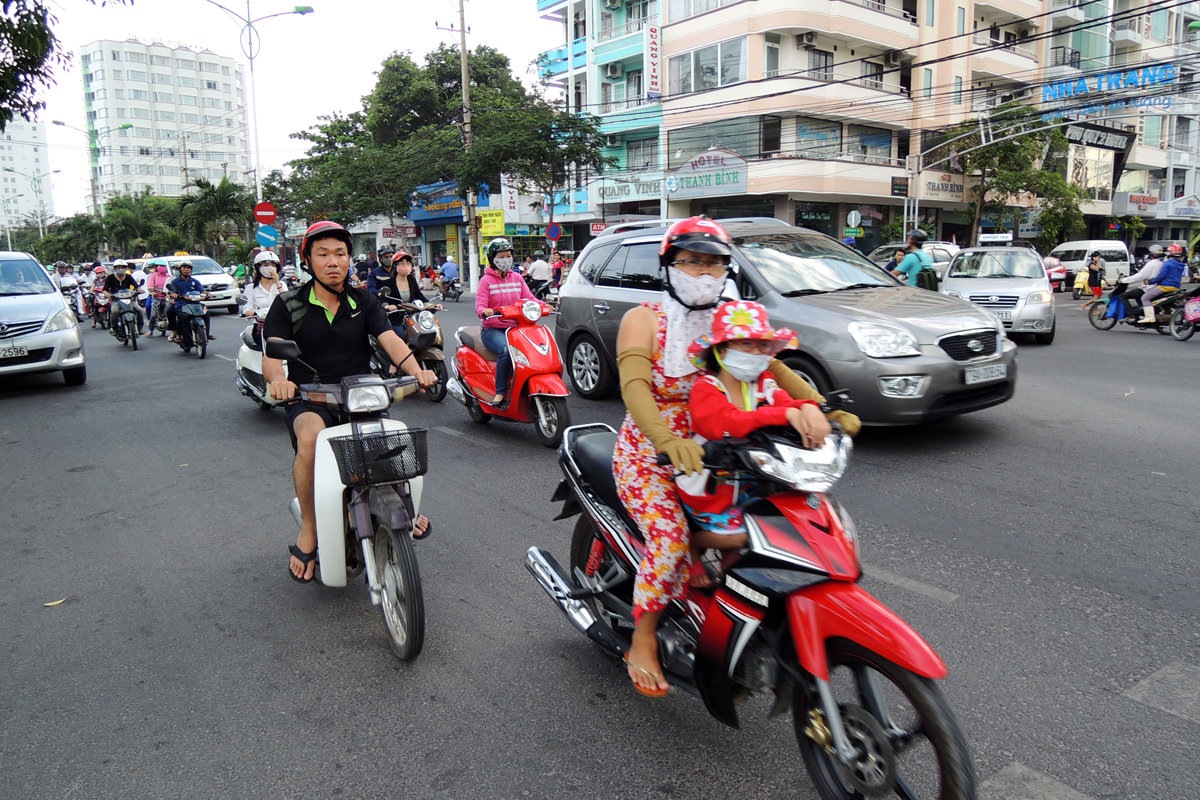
74	239
215	211
31	54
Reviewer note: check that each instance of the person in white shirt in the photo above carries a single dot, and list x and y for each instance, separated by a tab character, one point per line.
539	270
143	294
265	285
1132	297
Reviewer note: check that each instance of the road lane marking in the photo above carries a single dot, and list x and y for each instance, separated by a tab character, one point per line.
1174	689
218	355
932	592
467	436
1019	782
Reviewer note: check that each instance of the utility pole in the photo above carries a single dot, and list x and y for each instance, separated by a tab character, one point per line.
186	179
472	231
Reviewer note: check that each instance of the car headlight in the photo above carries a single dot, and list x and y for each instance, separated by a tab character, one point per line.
1038	298
951	293
61	321
531	310
361	399
883	341
425	321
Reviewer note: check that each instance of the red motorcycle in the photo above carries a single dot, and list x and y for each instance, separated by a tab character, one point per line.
538	394
785	615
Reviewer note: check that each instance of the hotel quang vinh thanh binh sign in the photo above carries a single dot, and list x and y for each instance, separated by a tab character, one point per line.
710	173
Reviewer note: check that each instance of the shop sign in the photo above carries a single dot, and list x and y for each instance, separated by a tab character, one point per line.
899	187
652	62
491	223
620	189
1099	91
437	201
452	243
598	228
1185	207
942	186
708	174
509	203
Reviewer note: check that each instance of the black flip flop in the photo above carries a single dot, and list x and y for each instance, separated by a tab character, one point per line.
425	535
304	558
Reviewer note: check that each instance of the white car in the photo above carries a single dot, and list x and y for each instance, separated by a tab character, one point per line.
222	288
38	332
1010	282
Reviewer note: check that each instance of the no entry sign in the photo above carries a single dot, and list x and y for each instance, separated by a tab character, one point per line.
264	213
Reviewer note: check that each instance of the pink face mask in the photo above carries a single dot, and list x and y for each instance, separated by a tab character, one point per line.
162	270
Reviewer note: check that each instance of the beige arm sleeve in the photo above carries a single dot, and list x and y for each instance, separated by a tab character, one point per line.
800	389
634	369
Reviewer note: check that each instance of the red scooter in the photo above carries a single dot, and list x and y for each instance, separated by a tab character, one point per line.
538	394
784	615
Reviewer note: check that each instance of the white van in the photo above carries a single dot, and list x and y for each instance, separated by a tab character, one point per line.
1074	256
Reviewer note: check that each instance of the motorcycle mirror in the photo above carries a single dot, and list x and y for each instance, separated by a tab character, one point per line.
282	349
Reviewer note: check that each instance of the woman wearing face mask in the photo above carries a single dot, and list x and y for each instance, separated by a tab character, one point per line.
156	284
656	376
265	285
499	286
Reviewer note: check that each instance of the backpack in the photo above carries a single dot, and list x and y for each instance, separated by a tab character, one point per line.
927	279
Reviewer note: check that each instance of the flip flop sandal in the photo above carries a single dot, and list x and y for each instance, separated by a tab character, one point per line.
699	577
305	559
419	536
642	689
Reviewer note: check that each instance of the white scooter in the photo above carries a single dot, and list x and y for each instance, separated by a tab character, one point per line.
367	495
250	381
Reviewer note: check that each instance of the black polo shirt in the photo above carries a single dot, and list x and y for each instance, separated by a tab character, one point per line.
336	345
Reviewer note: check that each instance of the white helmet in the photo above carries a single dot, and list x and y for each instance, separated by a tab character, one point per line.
266	255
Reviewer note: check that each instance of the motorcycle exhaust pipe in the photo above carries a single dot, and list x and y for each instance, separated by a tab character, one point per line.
550	575
455	390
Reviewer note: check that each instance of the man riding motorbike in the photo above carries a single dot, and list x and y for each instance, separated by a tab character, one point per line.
182	286
121	279
332	323
1168	280
1149	271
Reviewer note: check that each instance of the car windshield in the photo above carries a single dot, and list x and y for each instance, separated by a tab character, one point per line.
1070	255
796	264
996	264
23	276
203	265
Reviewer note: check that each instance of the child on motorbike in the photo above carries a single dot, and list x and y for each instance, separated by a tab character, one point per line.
734	395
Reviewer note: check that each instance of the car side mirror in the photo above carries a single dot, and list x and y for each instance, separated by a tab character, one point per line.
282	349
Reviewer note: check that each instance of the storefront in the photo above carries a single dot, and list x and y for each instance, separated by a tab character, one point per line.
821	217
438	213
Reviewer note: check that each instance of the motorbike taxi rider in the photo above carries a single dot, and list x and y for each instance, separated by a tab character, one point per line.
499	286
121	279
333	329
179	288
1168	280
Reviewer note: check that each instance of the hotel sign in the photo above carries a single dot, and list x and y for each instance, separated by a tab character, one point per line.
710	173
942	186
652	62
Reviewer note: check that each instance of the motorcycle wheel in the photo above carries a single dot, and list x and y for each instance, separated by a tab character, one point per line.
1181	329
581	550
200	338
133	335
475	411
552	419
1099	321
403	605
1076	293
437	392
900	726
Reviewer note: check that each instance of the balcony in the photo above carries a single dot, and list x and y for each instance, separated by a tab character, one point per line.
1065	12
552	63
621	30
883	8
1065	63
1189	46
1001	60
1128	32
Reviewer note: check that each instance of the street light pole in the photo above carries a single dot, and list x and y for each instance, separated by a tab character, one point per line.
7	220
251	42
94	155
36	182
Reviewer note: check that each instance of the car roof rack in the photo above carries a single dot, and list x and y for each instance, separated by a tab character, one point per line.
624	227
751	221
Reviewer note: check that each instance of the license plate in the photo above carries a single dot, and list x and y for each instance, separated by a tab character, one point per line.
13	351
1003	316
987	372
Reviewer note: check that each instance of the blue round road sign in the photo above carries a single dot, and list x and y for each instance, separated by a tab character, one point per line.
554	231
267	236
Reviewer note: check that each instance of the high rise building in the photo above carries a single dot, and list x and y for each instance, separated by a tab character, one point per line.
816	111
25	190
162	115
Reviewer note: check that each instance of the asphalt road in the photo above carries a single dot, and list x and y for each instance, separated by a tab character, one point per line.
1046	548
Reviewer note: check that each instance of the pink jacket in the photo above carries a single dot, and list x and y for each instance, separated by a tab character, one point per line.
495	291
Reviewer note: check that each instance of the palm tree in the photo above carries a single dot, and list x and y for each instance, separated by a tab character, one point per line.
129	227
224	204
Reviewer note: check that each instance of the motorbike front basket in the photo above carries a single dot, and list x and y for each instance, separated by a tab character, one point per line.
376	458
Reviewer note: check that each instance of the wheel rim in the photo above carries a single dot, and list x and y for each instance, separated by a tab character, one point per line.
548	419
585	367
394	593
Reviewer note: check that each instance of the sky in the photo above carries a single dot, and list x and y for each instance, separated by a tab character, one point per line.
308	66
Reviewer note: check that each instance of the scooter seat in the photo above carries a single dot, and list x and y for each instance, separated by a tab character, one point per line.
250	340
472	337
594	456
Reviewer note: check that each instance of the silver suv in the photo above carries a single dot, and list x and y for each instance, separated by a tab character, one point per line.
904	354
38	332
1009	282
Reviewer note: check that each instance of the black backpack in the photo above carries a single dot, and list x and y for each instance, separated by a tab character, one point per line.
927	279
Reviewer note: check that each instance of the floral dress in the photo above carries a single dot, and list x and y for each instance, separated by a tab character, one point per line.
648	490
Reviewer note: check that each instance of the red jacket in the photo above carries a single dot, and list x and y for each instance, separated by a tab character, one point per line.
715	417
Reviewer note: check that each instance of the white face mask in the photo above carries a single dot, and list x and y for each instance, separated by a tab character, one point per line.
696	291
503	264
746	367
267	272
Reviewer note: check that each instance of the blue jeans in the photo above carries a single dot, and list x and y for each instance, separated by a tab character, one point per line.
496	340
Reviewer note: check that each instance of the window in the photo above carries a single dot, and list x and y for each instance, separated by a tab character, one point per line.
228	106
741	135
184	81
771	55
211	85
145	169
158	77
224	70
873	144
139	113
961	21
709	67
118	75
168	170
211	102
958	84
144	151
929	16
820	65
188	100
184	63
139	94
772	135
118	94
641	154
116	55
682	9
135	75
733	61
143	132
164	97
225	87
211	120
98	75
818	138
872	74
161	61
193	118
641	269
679	74
208	66
213	137
164	116
135	58
929	83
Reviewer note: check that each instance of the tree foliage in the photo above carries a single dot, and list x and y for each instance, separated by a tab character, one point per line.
29	55
215	211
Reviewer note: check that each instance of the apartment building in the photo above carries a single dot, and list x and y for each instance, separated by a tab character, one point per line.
24	173
808	110
162	115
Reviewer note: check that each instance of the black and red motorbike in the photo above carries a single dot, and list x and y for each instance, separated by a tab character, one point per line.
784	615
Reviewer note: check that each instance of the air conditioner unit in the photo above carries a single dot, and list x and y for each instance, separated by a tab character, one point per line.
892	58
613	70
614	4
806	40
612	140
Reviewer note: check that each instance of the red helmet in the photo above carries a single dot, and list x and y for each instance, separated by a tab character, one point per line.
697	234
1175	250
324	229
401	254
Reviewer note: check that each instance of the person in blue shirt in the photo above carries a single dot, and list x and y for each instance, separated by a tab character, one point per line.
1168	280
449	273
179	288
916	259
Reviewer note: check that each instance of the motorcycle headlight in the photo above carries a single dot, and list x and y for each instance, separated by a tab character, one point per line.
883	341
531	310
1038	298
518	357
425	321
61	321
806	470
360	399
